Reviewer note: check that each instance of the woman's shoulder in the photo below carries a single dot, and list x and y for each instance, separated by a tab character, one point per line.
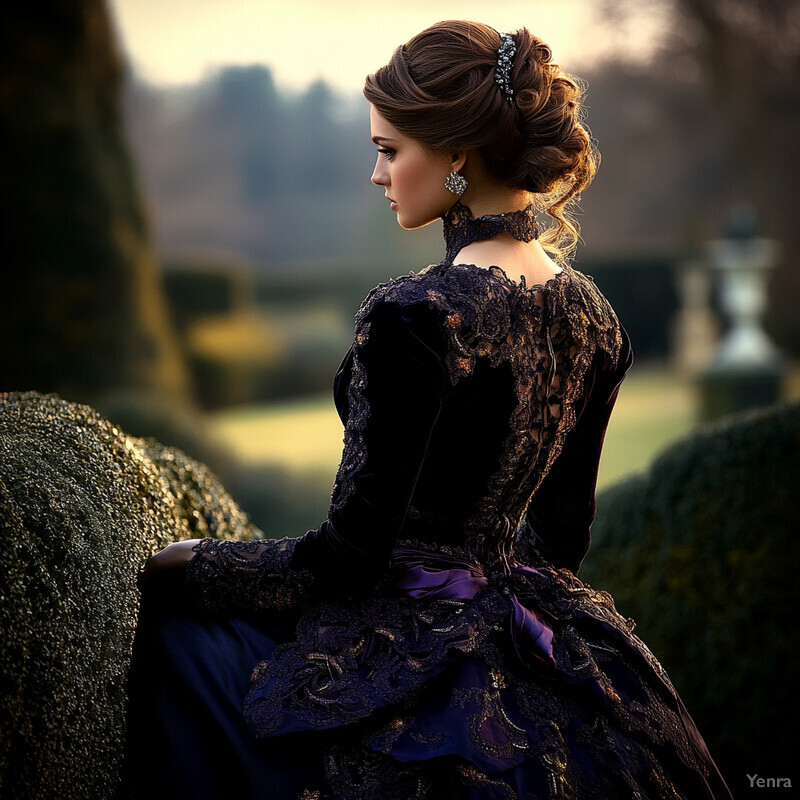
458	297
482	311
458	314
471	295
592	318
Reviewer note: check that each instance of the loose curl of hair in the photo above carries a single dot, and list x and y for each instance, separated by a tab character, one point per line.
440	89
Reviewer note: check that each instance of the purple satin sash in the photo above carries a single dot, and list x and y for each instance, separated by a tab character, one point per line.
432	576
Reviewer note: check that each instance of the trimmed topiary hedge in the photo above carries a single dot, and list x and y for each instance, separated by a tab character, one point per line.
82	506
702	551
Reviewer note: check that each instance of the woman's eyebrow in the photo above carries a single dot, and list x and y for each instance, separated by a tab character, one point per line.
379	139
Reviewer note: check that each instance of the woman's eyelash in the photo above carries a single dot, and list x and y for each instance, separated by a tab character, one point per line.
388	153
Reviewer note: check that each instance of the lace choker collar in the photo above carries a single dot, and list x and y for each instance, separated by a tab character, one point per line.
461	228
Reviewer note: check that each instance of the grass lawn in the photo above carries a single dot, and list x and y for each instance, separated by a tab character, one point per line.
305	436
654	408
302	435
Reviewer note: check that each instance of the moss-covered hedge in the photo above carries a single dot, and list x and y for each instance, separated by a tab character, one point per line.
703	552
82	506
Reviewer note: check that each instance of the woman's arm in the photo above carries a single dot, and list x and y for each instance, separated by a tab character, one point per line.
396	392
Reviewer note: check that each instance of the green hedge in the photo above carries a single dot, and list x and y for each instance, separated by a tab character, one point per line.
702	551
278	501
642	291
82	506
200	289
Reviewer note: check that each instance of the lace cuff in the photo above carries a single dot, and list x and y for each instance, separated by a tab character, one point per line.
246	576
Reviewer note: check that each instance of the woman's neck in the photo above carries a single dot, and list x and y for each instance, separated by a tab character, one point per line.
501	236
516	258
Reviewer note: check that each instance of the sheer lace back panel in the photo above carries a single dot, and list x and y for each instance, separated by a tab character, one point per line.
522	352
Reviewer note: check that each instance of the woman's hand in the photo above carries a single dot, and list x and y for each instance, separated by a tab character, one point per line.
175	556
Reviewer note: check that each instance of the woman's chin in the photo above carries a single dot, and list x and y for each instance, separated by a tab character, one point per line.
412	224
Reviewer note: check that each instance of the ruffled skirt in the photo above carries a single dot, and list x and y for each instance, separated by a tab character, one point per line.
529	685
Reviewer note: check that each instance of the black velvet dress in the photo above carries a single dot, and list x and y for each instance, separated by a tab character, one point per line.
431	638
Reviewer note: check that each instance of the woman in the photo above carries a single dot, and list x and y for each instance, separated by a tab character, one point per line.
430	639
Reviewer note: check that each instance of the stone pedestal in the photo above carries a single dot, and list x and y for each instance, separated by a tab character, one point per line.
695	329
746	369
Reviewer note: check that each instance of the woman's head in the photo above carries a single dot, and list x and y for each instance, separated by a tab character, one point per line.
440	89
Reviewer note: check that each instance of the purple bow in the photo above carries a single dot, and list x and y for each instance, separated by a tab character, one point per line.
432	576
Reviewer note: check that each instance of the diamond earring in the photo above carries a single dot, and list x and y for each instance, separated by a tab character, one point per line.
455	183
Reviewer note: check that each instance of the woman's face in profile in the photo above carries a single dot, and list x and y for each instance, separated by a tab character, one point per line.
411	175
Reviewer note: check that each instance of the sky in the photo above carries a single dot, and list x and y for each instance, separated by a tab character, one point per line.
174	42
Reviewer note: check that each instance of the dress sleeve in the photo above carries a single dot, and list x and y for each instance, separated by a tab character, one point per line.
397	389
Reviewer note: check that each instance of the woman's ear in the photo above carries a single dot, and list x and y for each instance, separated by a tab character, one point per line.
458	159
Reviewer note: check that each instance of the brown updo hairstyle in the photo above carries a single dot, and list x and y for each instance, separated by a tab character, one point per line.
440	89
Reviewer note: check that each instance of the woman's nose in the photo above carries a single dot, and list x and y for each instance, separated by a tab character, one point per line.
378	174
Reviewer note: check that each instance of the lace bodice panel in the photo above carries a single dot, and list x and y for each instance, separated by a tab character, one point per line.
516	360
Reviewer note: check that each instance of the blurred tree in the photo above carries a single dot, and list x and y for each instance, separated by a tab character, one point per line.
234	164
750	53
246	106
746	54
83	312
323	157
